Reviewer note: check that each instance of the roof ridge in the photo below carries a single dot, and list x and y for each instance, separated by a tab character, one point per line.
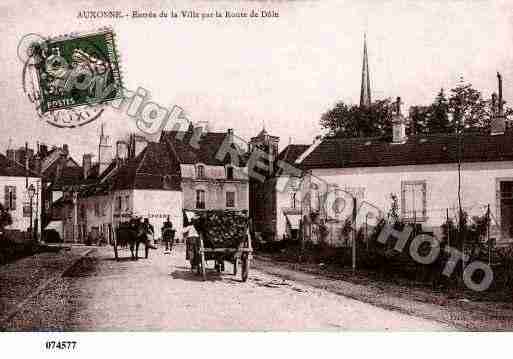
145	151
173	149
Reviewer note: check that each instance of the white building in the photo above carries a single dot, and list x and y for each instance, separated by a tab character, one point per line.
15	181
158	180
422	171
147	185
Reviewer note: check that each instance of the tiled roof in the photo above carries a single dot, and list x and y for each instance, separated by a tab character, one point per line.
291	153
419	150
206	151
153	168
13	169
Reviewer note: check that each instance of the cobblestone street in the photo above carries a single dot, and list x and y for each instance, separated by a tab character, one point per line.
161	293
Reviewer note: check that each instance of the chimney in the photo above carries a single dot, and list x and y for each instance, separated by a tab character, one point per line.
37	164
498	125
398	124
27	165
86	164
229	133
43	150
121	150
65	150
11	156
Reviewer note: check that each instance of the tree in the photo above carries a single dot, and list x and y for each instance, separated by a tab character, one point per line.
5	218
468	107
419	117
347	121
438	116
466	104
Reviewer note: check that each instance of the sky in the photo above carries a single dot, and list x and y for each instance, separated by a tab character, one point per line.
279	72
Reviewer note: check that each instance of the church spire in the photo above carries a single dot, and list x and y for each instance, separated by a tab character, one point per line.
365	93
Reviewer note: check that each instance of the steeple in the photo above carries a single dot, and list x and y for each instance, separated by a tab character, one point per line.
104	150
365	93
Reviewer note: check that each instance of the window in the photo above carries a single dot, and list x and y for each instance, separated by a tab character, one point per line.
97	209
293	200
119	204
230	199
127	202
26	209
10	198
200	199
200	171
505	203
229	172
413	200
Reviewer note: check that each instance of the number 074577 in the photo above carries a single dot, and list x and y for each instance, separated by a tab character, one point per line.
60	345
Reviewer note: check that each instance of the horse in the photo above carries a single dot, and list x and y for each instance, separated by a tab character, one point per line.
132	234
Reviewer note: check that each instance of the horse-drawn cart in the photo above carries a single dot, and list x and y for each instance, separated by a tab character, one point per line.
221	236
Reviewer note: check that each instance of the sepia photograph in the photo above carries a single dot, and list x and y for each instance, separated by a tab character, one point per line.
246	166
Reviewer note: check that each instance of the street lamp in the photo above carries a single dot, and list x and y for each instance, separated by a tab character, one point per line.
31	194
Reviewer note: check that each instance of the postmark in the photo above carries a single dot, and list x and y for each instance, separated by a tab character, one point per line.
71	77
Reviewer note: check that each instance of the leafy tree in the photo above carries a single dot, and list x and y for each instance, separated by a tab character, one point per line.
419	117
5	218
438	118
347	121
469	111
468	107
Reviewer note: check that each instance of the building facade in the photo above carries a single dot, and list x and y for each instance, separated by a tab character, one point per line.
428	174
15	181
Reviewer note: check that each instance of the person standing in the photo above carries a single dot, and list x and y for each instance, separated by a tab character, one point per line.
168	235
150	233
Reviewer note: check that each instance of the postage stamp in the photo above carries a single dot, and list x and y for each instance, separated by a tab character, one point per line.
75	75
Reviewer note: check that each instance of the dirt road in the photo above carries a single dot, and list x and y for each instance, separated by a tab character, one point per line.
161	293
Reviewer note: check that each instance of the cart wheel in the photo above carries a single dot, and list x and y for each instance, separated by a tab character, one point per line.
235	263
245	267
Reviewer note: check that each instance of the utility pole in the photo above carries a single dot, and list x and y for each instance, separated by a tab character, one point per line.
354	235
461	237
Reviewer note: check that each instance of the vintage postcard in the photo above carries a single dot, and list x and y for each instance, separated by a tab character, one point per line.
254	166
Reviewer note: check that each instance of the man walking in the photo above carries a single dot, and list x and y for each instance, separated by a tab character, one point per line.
168	235
150	233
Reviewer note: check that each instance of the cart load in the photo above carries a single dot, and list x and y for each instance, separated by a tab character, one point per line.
221	228
222	235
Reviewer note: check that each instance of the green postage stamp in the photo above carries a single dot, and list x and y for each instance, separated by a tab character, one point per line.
75	75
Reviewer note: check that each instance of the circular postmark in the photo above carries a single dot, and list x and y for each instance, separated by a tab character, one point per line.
70	79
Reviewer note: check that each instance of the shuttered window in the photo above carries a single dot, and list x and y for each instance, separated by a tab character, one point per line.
200	171
230	199
200	199
229	172
10	198
413	201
